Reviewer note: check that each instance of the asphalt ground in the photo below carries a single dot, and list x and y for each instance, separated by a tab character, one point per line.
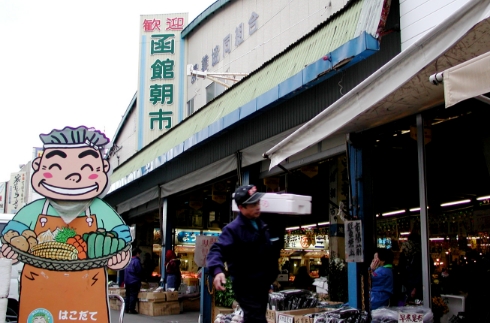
186	317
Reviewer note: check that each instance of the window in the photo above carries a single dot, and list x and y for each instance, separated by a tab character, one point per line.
190	107
213	90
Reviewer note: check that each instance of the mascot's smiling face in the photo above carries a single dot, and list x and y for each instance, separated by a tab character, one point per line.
70	173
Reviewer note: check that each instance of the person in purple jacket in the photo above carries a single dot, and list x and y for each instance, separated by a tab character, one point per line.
251	255
132	281
381	270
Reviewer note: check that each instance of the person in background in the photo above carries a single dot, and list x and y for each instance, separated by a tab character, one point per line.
251	255
381	271
172	270
132	281
303	280
410	267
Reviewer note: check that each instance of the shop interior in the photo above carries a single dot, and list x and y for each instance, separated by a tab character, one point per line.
457	145
205	210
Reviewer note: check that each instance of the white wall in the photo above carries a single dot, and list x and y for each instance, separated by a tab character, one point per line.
280	23
127	140
417	17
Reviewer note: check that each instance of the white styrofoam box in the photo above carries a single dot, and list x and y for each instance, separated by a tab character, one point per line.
282	278
282	203
455	303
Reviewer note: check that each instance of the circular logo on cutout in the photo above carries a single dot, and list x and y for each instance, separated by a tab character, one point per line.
40	315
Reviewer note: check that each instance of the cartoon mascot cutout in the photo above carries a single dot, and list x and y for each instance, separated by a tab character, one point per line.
67	239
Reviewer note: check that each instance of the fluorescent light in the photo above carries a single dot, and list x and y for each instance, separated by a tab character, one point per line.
309	225
456	202
415	209
404	233
436	239
324	223
292	228
393	213
481	198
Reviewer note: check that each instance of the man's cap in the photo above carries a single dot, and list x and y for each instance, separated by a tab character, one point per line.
247	194
70	137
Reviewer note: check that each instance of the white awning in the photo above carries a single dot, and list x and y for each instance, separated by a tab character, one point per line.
399	88
467	80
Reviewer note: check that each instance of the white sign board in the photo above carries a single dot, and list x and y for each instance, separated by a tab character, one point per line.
354	251
203	244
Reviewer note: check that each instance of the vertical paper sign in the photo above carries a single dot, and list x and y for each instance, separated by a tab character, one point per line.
353	241
203	244
3	187
16	192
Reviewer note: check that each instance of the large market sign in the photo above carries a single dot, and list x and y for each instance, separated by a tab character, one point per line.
161	55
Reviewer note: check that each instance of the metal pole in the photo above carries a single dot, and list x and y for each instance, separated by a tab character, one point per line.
424	234
163	223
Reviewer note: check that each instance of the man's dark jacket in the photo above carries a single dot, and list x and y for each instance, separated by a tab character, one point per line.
250	254
133	272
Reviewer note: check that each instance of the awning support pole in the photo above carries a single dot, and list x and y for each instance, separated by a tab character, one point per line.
424	234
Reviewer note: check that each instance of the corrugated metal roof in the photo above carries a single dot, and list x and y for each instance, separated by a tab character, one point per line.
335	32
211	10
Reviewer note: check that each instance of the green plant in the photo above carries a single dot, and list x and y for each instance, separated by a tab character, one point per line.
225	298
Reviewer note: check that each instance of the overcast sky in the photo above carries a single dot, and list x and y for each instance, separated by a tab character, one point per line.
68	63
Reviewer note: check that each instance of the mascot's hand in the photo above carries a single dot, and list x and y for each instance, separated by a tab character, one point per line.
8	253
120	260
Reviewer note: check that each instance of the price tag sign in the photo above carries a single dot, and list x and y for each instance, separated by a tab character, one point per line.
407	317
285	319
203	244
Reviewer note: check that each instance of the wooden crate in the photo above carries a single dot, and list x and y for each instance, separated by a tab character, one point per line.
159	308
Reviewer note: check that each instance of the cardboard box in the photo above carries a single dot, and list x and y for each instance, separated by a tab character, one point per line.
270	316
152	296
159	308
172	296
297	316
115	304
191	304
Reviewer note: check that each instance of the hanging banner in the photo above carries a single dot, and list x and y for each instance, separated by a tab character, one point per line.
353	241
203	244
16	192
3	186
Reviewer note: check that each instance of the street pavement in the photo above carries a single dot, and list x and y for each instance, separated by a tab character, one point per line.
186	317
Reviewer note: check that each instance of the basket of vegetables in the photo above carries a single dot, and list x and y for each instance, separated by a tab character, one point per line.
64	250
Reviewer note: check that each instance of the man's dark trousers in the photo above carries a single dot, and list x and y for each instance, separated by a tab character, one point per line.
253	300
132	291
